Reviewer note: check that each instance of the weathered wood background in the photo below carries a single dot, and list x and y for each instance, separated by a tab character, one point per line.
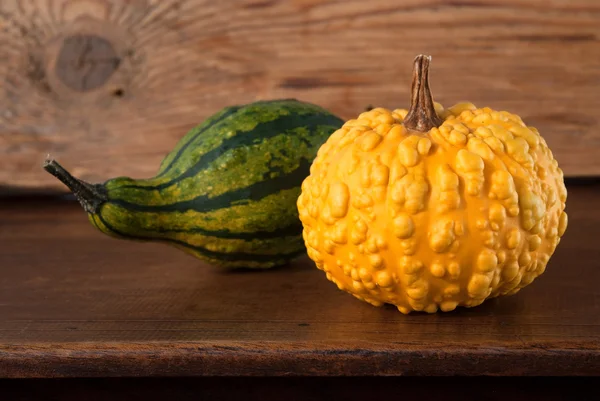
109	86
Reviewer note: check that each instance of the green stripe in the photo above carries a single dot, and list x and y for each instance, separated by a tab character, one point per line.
205	203
93	220
193	136
270	213
235	169
292	230
233	256
263	131
180	227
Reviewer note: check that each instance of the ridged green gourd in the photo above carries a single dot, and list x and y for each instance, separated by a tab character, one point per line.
226	193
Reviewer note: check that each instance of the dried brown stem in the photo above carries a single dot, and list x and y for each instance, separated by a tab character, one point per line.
91	196
421	116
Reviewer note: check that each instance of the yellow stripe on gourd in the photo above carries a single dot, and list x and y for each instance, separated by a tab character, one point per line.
236	169
238	218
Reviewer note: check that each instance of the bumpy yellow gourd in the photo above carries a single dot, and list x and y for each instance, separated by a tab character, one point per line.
433	208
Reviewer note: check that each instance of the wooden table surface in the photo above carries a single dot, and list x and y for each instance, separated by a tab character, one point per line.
74	303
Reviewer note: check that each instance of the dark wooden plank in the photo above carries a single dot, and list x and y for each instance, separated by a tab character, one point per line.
76	303
108	87
300	388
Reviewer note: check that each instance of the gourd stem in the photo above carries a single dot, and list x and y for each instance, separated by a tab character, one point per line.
89	195
421	116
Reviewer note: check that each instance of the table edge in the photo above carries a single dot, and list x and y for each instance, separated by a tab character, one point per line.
202	358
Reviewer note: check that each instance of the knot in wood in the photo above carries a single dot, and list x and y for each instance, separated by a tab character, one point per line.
86	62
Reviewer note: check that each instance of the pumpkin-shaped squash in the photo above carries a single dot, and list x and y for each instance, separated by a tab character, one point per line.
431	208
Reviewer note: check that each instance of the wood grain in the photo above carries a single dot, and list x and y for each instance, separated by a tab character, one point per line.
153	69
75	303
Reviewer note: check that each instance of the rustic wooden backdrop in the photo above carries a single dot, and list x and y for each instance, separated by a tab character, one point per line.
109	86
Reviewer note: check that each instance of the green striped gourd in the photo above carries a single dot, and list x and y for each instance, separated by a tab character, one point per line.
226	193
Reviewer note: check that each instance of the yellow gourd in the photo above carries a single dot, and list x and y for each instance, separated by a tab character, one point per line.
433	208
